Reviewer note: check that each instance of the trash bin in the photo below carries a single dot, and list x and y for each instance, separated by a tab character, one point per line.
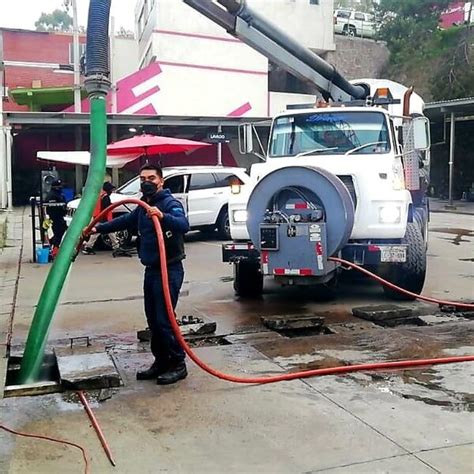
42	255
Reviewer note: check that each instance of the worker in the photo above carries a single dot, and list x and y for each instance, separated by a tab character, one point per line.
169	365
56	211
103	203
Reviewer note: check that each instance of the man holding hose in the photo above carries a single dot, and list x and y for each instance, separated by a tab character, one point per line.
169	366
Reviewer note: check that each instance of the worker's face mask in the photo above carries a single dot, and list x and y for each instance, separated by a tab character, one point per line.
148	188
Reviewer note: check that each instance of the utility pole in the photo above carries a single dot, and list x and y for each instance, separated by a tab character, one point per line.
77	88
3	158
76	52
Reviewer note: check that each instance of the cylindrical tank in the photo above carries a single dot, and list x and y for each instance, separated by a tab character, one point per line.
317	188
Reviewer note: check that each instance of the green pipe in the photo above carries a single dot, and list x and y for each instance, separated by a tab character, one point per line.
36	342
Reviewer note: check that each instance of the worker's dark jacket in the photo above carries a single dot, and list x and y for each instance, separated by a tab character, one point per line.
174	225
56	212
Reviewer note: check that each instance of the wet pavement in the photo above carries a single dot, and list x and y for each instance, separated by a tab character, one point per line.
402	421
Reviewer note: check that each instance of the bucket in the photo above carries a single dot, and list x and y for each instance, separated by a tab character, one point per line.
42	255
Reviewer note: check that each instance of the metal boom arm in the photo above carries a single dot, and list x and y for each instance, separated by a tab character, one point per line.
244	23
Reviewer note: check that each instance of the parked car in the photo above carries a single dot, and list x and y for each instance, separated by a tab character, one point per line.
353	23
204	192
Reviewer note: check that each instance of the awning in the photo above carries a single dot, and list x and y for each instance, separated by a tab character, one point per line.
36	98
84	158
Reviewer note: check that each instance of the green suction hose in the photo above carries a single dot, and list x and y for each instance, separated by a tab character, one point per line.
97	85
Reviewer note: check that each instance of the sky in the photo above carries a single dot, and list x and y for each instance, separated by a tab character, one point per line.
24	13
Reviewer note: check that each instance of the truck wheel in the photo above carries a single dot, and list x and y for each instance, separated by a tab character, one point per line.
223	225
411	274
248	279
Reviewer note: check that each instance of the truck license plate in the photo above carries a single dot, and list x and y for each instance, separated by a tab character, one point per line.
393	254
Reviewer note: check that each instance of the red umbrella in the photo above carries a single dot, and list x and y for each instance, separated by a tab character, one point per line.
152	145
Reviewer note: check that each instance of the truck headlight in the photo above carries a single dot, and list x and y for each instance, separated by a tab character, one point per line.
239	216
390	214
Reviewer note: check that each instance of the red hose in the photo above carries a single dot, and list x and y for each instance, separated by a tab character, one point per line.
403	364
96	426
54	440
401	290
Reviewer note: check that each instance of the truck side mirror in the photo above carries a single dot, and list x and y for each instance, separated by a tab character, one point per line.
421	133
246	138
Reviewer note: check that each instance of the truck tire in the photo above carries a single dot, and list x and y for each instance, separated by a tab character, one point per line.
411	274
223	224
248	279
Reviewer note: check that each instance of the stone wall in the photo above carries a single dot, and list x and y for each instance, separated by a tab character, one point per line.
357	58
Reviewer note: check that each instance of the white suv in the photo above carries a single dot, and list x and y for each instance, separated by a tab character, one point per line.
204	192
352	23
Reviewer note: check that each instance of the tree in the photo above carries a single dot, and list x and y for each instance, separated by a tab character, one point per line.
455	77
408	25
58	20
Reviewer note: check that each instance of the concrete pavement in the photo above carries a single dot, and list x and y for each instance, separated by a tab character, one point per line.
408	421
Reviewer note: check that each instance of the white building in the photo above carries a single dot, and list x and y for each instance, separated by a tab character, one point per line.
207	72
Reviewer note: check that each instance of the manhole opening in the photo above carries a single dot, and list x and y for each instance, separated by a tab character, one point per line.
48	379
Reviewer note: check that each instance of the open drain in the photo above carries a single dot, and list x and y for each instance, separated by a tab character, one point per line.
48	380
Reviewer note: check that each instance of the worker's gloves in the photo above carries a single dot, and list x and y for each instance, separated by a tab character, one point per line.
154	211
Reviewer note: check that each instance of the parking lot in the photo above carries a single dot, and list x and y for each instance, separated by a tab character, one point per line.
256	428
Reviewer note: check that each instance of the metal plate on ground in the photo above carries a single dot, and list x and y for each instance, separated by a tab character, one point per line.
88	371
292	321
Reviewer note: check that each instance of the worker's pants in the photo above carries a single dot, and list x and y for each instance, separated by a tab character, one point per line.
164	345
59	228
93	239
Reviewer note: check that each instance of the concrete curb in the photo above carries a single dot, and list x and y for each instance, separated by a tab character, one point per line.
449	211
10	261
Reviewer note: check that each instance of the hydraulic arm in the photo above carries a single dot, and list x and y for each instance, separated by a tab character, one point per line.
244	23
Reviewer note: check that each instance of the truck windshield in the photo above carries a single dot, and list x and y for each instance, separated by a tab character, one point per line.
331	133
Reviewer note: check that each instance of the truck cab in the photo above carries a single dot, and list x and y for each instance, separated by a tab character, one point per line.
377	153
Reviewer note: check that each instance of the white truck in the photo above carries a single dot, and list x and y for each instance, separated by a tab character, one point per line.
344	177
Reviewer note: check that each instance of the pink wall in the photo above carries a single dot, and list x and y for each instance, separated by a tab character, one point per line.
453	16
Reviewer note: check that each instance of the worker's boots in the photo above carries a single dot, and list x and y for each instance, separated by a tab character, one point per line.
173	375
153	372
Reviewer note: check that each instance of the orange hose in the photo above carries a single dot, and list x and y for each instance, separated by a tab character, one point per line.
428	299
403	364
96	426
54	440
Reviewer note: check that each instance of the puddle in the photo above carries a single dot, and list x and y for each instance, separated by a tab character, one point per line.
458	233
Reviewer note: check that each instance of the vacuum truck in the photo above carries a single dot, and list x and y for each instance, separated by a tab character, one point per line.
345	176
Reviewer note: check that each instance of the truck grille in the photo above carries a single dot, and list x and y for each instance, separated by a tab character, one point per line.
349	184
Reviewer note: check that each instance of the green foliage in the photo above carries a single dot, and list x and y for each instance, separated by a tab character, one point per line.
454	79
409	25
58	20
438	62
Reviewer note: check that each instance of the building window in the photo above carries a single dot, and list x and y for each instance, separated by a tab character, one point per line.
82	51
314	2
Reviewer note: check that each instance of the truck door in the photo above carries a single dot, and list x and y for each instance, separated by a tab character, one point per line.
178	184
203	203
